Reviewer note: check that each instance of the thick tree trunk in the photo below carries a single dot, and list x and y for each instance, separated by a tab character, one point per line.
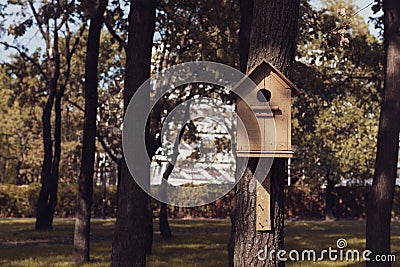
248	241
85	182
381	195
132	226
246	18
272	37
150	227
48	192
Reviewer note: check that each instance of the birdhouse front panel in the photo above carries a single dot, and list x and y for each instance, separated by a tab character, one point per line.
262	131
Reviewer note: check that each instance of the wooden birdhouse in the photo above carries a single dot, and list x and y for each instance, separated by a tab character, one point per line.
265	130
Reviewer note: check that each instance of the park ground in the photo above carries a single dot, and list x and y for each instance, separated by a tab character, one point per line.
195	242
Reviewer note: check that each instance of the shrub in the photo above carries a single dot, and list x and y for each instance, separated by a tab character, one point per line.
301	202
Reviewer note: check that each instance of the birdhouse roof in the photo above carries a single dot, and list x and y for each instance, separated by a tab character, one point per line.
277	72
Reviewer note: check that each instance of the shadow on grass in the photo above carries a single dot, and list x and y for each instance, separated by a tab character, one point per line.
195	242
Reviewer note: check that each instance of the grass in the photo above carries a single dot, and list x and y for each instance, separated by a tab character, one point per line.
195	242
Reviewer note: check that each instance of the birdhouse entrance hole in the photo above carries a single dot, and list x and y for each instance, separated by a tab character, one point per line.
264	95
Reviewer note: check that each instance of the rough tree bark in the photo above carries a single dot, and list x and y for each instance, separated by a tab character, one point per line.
85	194
272	37
381	195
130	241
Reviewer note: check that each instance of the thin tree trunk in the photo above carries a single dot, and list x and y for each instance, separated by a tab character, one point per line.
132	226
329	198
165	230
48	192
3	170
272	37
85	182
103	182
381	195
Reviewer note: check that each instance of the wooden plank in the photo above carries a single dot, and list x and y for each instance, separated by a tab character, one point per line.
263	205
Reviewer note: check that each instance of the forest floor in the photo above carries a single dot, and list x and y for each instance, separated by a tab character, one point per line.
195	242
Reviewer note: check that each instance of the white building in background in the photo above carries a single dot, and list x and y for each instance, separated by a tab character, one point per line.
199	162
219	170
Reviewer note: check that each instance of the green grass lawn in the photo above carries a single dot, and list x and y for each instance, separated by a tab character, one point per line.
195	242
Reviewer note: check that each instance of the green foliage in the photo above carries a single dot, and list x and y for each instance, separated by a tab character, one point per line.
20	125
302	202
185	34
335	116
20	201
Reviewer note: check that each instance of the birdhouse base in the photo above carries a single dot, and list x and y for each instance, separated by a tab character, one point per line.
264	154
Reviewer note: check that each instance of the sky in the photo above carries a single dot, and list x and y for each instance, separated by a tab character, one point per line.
366	13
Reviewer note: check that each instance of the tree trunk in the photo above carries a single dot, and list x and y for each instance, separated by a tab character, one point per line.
246	18
85	182
150	227
132	226
381	195
272	37
3	170
104	185
329	198
165	230
48	192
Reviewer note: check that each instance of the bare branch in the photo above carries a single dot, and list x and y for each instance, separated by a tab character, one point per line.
30	59
70	53
78	38
107	149
99	136
40	23
76	105
115	35
64	19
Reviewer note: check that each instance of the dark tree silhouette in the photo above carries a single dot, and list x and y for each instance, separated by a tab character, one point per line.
381	195
132	227
56	83
85	182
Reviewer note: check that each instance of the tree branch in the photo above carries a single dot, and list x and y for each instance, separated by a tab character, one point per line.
107	149
75	105
64	19
39	22
78	38
99	136
30	59
115	35
70	53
